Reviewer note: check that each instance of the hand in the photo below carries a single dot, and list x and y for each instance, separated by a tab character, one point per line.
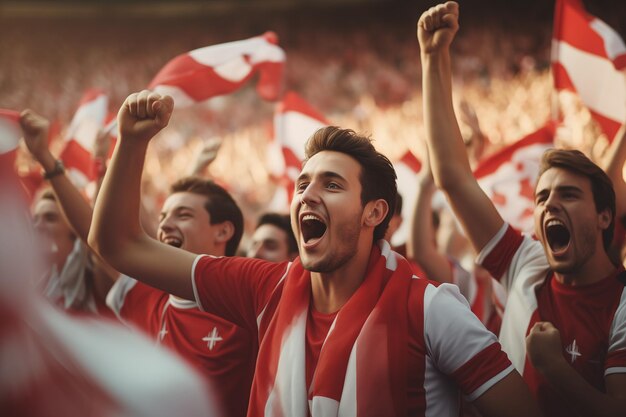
143	115
437	26
543	346
35	128
206	156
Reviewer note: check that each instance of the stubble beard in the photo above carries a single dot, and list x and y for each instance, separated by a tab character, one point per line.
348	234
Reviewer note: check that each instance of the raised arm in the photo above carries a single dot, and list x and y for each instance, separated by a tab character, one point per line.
613	165
422	244
75	208
116	233
436	30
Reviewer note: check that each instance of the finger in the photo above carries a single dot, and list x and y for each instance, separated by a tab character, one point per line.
131	104
452	7
440	10
163	109
450	20
428	22
142	104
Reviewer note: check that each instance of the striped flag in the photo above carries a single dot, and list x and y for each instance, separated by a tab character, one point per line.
295	121
587	56
81	134
216	70
508	177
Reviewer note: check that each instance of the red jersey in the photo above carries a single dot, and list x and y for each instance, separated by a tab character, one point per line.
223	352
248	292
591	319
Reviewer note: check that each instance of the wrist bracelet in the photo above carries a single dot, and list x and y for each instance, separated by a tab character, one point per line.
58	169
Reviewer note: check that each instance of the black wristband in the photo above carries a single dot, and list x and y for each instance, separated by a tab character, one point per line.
58	169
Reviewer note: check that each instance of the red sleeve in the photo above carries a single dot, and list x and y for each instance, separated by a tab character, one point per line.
236	289
499	258
140	307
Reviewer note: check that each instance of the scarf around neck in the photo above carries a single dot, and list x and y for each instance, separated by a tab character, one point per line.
362	366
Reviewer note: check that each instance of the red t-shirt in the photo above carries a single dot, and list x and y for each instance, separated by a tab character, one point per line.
445	339
590	318
220	350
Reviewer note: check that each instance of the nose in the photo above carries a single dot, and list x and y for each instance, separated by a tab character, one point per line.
551	203
309	196
166	224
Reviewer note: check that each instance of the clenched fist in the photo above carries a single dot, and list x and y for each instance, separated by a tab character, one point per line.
437	26
143	115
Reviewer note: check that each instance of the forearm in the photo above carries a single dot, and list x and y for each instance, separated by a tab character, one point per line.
75	208
614	165
422	245
445	143
116	213
591	402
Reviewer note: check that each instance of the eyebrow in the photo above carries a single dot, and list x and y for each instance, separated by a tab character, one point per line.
325	174
560	188
177	209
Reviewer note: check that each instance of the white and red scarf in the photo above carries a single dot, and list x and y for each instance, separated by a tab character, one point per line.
362	367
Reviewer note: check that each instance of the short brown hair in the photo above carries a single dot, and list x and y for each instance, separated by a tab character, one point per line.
220	206
601	185
378	178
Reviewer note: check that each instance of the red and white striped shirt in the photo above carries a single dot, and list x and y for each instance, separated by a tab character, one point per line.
448	348
591	319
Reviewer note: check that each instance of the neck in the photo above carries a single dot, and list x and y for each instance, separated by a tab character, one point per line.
331	290
595	269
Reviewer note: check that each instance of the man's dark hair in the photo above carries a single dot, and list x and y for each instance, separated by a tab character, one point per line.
378	178
220	206
282	222
601	185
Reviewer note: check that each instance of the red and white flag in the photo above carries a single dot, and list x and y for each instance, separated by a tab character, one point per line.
221	69
406	168
508	177
295	121
587	57
81	135
10	134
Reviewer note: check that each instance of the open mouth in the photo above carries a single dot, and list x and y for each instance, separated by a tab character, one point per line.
557	235
312	227
173	241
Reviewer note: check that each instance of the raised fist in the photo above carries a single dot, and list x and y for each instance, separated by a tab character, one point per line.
437	26
143	115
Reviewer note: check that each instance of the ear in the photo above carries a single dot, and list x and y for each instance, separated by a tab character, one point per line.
604	218
225	231
375	212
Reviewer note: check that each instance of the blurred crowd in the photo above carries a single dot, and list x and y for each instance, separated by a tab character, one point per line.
356	69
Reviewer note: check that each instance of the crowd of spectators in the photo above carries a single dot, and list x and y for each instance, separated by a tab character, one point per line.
359	69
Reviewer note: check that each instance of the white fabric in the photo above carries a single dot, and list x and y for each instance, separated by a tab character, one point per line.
72	285
117	294
453	337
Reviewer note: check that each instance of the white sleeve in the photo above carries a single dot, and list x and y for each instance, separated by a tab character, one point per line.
117	294
529	259
454	337
616	360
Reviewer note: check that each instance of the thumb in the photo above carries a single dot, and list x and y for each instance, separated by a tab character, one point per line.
163	109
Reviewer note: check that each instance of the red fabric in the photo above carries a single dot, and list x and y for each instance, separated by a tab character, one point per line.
574	27
201	81
225	356
500	257
583	315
